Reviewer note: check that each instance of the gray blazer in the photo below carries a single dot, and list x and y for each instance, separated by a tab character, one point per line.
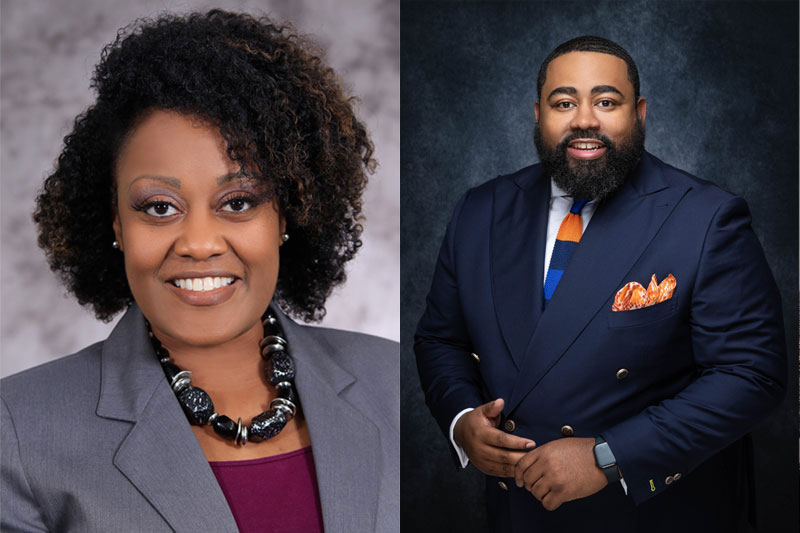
97	441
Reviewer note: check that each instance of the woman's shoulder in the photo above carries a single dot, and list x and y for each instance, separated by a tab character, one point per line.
65	381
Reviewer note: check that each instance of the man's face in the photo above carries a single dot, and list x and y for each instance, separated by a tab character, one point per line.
590	128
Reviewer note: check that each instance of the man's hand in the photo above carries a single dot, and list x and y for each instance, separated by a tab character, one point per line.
491	450
560	471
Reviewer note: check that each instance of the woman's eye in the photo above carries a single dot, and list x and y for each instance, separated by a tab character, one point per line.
237	205
160	209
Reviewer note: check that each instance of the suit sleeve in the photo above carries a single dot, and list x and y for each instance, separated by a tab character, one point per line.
739	350
20	509
449	376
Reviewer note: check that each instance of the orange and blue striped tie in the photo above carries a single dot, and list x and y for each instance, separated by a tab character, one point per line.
569	233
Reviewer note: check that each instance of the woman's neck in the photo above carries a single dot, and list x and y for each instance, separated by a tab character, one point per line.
231	372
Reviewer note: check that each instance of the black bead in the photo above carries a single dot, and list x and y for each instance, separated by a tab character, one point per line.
225	427
266	425
281	368
287	393
170	370
196	404
161	352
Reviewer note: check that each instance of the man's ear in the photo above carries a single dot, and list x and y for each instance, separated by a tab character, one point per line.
641	109
536	110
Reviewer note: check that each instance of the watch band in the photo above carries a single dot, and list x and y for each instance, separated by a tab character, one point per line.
605	460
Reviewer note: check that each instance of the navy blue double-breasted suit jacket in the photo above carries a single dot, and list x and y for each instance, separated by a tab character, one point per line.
703	368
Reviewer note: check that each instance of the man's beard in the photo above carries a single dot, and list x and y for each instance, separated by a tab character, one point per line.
595	179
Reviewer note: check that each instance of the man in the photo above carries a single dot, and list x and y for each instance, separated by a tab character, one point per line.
602	329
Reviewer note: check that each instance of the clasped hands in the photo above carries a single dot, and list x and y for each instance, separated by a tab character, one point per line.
556	472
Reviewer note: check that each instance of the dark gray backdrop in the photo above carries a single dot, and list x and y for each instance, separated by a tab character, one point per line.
722	91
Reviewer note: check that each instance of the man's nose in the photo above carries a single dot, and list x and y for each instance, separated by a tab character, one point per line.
585	118
201	237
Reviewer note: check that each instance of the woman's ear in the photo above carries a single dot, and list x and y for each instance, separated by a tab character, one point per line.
117	229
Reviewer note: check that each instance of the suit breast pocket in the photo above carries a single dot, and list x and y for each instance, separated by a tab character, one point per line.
644	316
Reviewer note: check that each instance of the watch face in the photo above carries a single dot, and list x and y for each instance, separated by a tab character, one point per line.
604	456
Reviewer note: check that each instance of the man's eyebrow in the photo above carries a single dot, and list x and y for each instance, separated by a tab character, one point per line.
562	90
599	89
169	180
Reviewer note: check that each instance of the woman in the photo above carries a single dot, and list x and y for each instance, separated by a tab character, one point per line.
214	186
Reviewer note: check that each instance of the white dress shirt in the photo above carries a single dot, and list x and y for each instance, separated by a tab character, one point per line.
560	204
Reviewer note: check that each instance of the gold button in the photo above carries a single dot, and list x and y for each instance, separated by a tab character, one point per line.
475	356
669	480
509	425
676	477
567	431
502	485
622	373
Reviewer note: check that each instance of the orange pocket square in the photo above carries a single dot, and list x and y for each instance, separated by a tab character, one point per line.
634	296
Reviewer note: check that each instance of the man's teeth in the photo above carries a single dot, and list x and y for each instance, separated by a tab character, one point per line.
586	146
202	284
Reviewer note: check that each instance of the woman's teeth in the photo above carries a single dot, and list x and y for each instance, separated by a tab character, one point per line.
201	284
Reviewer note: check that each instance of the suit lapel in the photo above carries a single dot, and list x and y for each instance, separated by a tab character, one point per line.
345	442
160	455
519	227
618	234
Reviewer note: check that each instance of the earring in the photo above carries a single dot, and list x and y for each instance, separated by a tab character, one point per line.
115	245
285	237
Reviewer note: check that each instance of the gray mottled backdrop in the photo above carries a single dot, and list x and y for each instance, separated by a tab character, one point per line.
49	49
721	84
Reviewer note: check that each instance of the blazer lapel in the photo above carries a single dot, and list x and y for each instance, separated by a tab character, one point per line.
618	234
160	455
519	227
345	443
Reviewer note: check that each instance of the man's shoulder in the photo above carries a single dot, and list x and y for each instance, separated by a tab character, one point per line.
699	189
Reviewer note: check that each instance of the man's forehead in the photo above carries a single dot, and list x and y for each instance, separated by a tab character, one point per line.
585	70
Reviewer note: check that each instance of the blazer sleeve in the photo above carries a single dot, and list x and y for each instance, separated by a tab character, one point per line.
20	509
449	375
739	349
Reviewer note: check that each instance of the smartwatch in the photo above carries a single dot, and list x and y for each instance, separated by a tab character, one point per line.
605	460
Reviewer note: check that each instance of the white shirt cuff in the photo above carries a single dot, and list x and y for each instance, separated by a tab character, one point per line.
624	486
462	455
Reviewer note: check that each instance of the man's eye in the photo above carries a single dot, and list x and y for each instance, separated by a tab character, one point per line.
160	209
237	205
606	103
564	105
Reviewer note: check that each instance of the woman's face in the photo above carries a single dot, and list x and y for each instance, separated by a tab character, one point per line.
200	242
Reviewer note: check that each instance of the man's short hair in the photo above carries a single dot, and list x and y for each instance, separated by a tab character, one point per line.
590	43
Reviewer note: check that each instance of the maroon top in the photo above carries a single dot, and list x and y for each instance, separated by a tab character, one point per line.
277	493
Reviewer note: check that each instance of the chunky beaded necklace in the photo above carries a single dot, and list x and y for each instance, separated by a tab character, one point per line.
197	404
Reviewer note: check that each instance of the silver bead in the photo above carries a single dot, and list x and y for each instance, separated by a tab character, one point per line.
212	417
241	433
285	406
115	245
181	380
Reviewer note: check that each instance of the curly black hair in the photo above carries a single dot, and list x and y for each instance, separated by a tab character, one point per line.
284	116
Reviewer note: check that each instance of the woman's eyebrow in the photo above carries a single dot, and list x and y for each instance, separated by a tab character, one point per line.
169	180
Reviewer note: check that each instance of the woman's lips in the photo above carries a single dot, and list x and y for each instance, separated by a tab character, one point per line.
214	296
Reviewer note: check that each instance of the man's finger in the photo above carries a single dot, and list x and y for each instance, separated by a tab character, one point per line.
493	409
503	456
523	466
500	439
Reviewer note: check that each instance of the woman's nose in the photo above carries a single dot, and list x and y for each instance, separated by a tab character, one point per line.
200	237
